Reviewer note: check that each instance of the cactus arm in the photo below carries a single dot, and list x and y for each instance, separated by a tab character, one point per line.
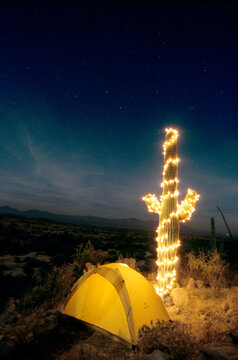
187	206
152	203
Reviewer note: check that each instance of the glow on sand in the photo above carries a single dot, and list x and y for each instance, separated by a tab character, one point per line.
170	214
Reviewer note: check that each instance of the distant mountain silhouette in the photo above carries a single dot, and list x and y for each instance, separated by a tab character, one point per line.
128	223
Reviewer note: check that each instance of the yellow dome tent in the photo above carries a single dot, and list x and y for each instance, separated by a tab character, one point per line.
115	300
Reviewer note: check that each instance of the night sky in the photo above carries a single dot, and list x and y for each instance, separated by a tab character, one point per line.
87	89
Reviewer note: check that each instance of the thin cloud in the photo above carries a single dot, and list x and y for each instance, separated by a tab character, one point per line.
48	182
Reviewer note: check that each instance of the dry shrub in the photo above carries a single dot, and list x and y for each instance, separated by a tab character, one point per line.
210	334
84	254
131	262
171	337
204	294
209	268
51	290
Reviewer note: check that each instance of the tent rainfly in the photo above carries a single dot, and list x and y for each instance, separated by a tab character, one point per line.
115	300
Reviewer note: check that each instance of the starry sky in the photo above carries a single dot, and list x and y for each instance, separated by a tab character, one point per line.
87	89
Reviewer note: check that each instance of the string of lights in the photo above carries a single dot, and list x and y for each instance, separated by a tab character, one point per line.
170	214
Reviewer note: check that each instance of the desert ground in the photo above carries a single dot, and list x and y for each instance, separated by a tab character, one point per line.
40	260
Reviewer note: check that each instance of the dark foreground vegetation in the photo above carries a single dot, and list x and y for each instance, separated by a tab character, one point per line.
40	260
30	248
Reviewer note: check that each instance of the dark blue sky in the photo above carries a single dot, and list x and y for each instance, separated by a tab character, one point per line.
86	90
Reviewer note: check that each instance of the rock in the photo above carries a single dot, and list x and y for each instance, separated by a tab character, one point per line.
158	355
173	310
183	281
199	284
128	261
90	351
179	297
89	266
191	284
53	314
167	300
218	351
155	355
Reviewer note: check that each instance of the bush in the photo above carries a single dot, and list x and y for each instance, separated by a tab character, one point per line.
84	254
60	259
171	337
209	268
49	291
51	288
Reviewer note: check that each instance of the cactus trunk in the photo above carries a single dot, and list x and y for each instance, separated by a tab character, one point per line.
168	230
213	235
171	213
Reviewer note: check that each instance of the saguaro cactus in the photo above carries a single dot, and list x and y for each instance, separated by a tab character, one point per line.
213	240
170	214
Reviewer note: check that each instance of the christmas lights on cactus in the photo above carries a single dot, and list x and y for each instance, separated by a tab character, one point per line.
170	214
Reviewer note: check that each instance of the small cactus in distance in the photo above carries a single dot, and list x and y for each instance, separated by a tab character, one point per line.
170	214
213	242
